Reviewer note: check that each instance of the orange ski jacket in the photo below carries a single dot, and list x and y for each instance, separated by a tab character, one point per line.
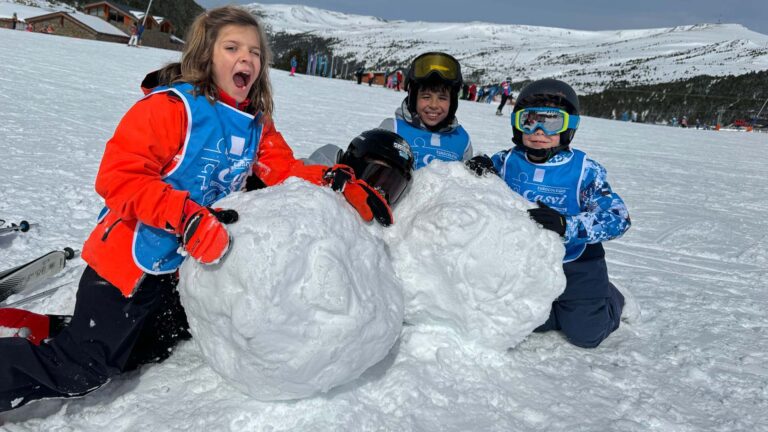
147	144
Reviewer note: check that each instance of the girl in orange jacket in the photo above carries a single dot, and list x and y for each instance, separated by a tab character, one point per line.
200	135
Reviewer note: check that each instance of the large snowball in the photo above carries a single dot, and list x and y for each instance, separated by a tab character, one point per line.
471	259
305	300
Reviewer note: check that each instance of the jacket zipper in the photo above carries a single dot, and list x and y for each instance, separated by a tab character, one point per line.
109	229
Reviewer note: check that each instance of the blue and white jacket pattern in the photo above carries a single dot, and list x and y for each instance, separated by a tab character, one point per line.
574	185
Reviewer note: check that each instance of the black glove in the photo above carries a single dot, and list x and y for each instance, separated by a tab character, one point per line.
253	182
481	165
548	218
225	216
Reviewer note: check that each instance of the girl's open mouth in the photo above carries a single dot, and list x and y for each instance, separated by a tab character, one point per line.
241	79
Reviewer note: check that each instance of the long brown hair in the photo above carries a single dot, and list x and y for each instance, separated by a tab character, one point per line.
196	66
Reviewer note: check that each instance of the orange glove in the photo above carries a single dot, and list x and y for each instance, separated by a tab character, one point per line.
204	236
368	202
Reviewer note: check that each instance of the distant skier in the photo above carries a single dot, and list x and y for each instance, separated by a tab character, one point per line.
134	39
294	64
574	200
139	34
481	92
210	125
398	80
490	94
506	93
472	92
359	72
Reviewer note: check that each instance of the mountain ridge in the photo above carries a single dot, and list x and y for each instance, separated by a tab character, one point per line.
593	60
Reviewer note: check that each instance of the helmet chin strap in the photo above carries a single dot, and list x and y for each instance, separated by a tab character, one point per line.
542	155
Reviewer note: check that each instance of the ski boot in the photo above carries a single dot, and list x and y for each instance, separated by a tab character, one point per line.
29	325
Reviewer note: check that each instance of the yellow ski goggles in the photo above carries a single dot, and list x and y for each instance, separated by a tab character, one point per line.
435	62
551	121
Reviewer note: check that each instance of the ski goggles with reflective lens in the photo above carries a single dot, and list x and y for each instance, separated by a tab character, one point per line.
388	181
434	62
551	121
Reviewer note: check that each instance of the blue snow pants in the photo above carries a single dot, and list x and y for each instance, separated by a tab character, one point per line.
108	334
590	307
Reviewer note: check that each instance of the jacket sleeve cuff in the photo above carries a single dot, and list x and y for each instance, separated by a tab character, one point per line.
571	230
176	205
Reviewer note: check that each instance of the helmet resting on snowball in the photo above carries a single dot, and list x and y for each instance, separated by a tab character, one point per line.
383	159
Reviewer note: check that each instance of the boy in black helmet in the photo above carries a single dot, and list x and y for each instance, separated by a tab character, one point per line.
427	116
574	200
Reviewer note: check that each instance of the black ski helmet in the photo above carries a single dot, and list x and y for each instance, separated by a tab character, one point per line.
383	159
546	92
433	69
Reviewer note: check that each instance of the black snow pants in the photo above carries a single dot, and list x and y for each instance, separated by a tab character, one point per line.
503	102
590	307
108	334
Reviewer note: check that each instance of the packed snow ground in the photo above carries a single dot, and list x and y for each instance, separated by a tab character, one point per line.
696	259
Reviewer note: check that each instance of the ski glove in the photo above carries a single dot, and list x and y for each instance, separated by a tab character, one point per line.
368	202
204	236
548	218
480	165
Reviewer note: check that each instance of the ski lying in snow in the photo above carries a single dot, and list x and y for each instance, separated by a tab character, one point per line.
22	226
35	296
21	278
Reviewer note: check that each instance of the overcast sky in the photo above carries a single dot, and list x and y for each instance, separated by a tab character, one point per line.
584	15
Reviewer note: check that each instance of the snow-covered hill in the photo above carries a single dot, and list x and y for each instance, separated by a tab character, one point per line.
590	59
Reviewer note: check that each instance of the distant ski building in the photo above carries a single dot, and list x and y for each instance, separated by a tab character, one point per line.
158	31
104	20
79	25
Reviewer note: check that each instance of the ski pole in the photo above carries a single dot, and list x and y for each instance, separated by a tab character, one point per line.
36	296
22	226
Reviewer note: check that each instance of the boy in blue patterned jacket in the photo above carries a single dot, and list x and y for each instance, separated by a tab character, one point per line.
574	200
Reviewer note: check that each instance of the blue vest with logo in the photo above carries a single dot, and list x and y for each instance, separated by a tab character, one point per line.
554	183
426	145
220	148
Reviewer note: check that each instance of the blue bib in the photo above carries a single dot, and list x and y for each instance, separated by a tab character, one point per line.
554	183
427	146
220	148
